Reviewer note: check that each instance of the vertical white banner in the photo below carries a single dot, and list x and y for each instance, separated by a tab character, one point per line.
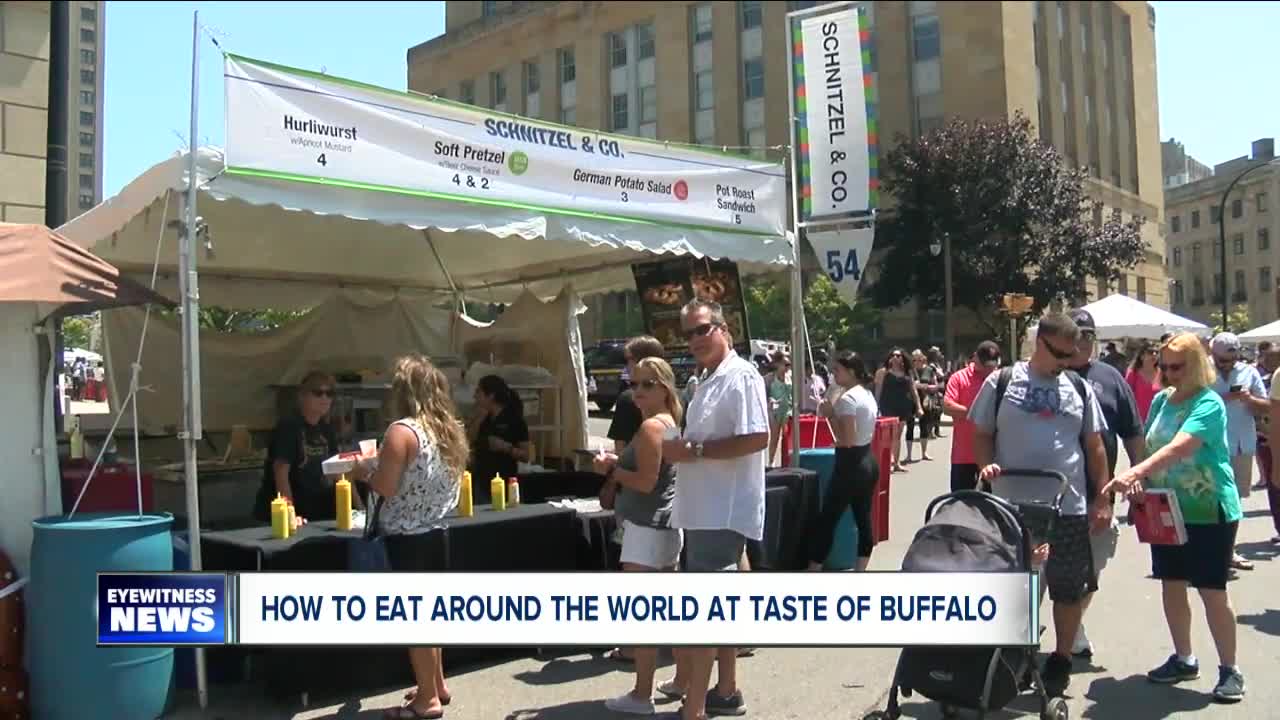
843	255
830	105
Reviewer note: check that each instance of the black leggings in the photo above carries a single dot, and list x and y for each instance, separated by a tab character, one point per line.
853	485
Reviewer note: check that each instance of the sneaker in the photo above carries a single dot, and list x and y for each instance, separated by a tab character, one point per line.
631	705
1230	687
671	691
1082	648
1056	675
1174	671
732	705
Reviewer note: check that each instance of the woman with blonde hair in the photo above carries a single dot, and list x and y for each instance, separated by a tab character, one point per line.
1187	453
300	442
416	473
646	488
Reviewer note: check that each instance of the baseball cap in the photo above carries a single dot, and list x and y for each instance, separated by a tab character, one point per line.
1083	320
1224	343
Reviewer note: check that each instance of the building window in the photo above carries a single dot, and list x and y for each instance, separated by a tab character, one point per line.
1237	209
532	83
87	57
1177	293
1237	243
1195	253
86	201
467	92
1261	202
1177	257
88	77
1142	289
753	78
1123	286
1241	287
1264	239
1215	214
1217	287
618	113
752	15
87	35
86	118
86	160
568	70
1195	219
86	97
702	23
488	8
568	116
703	90
617	50
1264	279
644	41
649	104
497	91
1062	19
86	182
925	40
86	139
1197	291
88	14
1175	224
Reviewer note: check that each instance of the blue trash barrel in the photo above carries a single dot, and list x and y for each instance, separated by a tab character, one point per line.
71	677
844	547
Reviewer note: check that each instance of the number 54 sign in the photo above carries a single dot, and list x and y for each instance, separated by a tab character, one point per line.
844	254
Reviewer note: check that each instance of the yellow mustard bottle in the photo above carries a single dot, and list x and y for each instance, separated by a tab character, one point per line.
466	505
342	498
498	489
293	518
513	492
279	518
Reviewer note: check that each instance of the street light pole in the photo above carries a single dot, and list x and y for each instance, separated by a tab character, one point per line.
949	332
1222	236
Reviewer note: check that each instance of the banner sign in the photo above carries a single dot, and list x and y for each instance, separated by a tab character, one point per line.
542	609
304	126
833	113
843	254
665	286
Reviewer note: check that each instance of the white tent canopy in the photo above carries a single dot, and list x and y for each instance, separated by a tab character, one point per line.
1269	332
1120	316
308	240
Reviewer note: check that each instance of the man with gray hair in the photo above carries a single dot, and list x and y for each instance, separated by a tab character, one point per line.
719	500
1039	414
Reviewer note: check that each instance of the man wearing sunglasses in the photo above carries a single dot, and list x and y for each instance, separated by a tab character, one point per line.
719	500
1124	424
962	389
1246	397
1043	422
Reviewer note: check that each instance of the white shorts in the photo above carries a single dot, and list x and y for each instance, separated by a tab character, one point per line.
1103	546
650	547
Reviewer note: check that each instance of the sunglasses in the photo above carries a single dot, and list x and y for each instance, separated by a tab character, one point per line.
1056	353
701	331
323	392
648	384
1172	367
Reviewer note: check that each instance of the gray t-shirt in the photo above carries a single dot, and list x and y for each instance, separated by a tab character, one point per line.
652	509
1040	425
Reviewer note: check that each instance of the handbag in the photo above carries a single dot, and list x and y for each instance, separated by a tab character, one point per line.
369	553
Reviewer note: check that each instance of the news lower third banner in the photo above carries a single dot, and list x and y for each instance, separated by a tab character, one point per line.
873	609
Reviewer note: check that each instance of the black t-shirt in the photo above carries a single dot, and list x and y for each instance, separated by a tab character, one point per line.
1118	407
507	426
627	418
305	448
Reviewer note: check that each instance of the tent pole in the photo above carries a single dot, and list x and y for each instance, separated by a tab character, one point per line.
190	292
457	297
799	351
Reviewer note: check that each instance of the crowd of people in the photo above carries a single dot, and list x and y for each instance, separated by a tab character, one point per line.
686	474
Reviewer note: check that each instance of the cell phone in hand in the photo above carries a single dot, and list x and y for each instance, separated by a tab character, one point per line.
1236	388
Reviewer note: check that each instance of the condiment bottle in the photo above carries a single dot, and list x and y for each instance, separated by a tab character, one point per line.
77	439
498	491
342	497
466	506
293	518
279	518
513	492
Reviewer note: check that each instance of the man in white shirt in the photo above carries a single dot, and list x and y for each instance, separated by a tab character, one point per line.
719	499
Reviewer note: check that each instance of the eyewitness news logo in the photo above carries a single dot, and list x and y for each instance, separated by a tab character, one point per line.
163	609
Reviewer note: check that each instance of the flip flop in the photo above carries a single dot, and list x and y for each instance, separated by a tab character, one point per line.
409	697
408	712
1240	563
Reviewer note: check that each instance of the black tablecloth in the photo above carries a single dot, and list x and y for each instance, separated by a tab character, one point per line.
541	487
794	514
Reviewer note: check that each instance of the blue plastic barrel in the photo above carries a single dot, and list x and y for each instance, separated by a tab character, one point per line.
72	678
844	546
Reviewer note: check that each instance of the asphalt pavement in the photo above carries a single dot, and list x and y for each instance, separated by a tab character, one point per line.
1126	626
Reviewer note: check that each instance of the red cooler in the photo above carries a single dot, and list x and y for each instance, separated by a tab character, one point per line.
882	448
808	425
114	487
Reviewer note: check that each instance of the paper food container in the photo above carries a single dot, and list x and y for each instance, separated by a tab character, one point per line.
340	464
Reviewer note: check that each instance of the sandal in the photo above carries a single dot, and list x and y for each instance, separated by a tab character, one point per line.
413	694
409	712
1240	563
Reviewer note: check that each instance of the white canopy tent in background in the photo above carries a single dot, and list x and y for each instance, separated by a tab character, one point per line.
1269	332
1120	316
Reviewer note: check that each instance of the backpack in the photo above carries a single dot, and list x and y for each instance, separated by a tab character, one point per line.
1002	385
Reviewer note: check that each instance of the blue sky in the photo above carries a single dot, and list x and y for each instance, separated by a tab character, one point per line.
1213	61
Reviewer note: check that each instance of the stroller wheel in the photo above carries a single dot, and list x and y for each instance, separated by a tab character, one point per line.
1055	709
950	711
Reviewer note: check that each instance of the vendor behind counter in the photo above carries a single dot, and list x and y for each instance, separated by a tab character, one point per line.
498	434
300	443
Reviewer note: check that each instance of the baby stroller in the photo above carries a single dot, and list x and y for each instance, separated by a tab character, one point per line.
971	531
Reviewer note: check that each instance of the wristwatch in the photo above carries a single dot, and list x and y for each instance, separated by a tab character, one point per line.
695	448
